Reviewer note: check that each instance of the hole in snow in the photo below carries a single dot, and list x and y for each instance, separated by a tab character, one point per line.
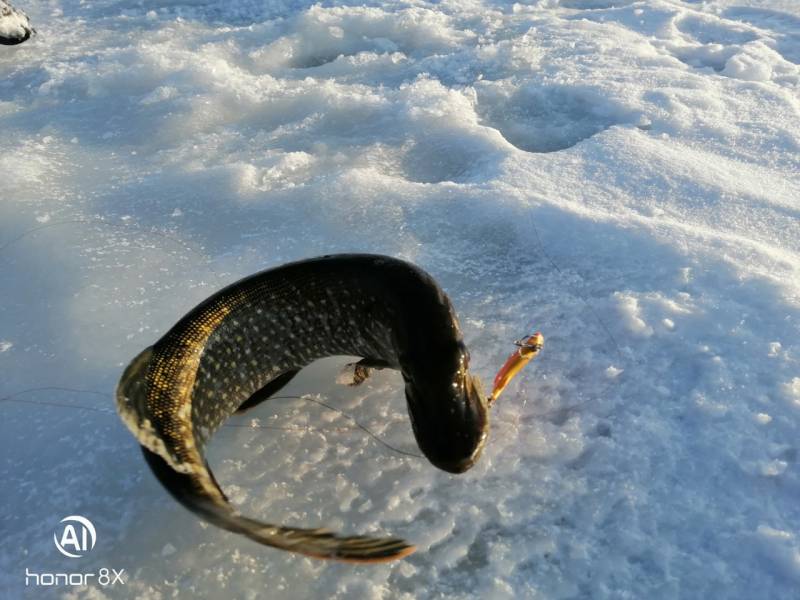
547	119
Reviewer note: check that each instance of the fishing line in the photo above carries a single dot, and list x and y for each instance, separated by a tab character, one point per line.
39	228
362	427
184	246
100	221
578	293
14	398
125	228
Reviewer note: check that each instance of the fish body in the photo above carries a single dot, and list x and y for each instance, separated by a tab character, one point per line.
175	394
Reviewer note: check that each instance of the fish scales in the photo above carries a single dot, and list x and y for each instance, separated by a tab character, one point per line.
276	328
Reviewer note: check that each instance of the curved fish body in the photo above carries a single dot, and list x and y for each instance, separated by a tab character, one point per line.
15	27
259	331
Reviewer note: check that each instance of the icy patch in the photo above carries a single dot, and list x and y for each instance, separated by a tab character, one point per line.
5	346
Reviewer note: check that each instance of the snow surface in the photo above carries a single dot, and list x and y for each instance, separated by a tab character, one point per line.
622	175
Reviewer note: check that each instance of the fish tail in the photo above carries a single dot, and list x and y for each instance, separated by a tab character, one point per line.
200	493
321	543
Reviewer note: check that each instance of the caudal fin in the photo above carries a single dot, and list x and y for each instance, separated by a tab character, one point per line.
318	543
321	543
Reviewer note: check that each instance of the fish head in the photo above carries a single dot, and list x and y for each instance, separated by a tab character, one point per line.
448	409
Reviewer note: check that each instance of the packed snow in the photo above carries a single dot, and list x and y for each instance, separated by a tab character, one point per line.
622	175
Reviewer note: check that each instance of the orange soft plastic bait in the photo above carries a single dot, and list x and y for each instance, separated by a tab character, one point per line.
529	347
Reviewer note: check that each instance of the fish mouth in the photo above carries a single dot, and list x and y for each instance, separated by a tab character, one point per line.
451	440
457	468
463	465
474	396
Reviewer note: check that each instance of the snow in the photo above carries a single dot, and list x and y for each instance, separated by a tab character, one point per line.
14	24
621	175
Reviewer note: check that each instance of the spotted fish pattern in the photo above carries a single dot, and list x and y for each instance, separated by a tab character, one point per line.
175	394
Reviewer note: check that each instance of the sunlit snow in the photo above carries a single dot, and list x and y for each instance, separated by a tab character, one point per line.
622	175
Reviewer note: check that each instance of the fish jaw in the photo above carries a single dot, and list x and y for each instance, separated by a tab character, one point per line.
451	425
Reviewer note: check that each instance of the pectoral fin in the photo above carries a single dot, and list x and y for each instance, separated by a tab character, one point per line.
356	373
269	390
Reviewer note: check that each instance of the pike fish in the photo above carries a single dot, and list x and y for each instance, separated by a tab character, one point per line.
242	344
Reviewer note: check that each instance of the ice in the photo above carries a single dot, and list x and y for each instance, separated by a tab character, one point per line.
621	175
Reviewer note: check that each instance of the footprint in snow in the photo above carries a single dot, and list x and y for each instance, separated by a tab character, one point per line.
733	48
783	28
708	29
710	41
